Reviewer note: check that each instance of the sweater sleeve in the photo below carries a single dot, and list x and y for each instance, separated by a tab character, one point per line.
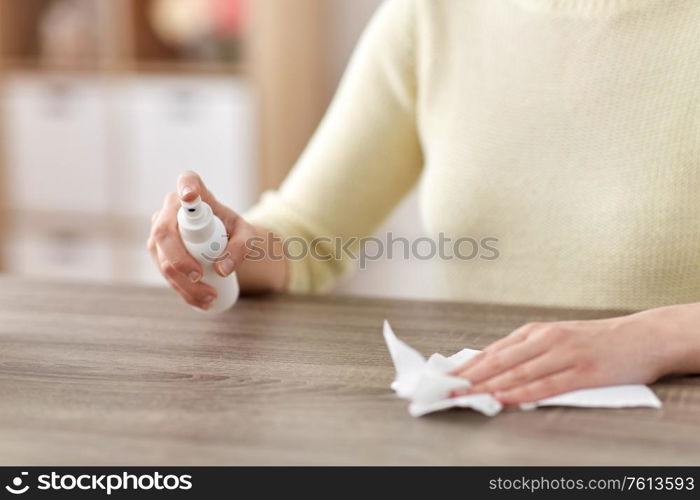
364	157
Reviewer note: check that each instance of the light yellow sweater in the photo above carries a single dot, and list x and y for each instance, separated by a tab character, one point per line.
567	129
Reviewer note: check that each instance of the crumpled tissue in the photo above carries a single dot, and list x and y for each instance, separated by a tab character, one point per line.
427	385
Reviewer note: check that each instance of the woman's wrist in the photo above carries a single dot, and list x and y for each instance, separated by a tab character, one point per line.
265	267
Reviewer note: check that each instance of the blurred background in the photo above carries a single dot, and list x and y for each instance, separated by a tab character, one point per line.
104	102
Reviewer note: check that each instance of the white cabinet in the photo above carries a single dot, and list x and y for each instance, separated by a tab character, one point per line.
61	254
134	263
90	152
172	124
169	124
397	277
56	144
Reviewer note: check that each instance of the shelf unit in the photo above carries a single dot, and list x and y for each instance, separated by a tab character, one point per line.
282	59
126	42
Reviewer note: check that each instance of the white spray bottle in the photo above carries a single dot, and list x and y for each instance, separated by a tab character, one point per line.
205	238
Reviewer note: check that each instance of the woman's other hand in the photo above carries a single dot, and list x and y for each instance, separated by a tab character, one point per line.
540	360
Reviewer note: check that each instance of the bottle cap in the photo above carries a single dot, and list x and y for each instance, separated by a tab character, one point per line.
196	220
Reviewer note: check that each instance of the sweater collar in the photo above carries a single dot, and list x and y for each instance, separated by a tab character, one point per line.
586	8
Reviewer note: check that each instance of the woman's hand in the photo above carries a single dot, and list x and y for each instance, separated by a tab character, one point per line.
178	267
540	360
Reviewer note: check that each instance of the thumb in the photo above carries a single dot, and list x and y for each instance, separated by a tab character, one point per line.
188	194
190	185
236	249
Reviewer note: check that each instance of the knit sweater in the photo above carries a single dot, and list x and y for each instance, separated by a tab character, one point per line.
568	130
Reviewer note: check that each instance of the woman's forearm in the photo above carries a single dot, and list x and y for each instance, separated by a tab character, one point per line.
540	360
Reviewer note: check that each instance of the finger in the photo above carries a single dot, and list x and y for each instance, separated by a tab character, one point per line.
150	243
499	362
153	250
557	383
515	337
190	185
195	294
172	254
198	294
237	248
187	296
524	373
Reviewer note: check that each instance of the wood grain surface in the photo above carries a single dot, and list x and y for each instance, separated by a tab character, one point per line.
123	375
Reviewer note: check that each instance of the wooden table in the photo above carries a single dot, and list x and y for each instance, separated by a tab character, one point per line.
115	375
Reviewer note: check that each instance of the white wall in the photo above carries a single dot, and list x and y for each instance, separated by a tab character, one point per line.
395	278
347	20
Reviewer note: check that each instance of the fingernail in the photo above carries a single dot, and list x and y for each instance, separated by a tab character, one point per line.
195	276
208	298
226	267
185	191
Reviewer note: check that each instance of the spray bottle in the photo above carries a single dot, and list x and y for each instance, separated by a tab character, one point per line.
205	238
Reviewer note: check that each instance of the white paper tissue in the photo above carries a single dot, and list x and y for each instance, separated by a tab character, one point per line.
427	385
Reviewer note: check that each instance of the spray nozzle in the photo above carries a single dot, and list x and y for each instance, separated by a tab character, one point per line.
192	208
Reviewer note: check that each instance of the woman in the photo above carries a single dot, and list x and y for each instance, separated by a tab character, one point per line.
567	129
